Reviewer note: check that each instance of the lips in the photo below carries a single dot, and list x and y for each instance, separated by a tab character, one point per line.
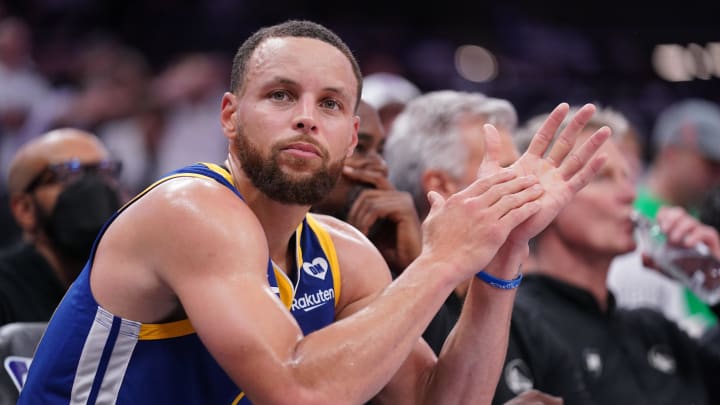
303	147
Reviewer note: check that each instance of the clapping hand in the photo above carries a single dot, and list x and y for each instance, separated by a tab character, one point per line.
562	171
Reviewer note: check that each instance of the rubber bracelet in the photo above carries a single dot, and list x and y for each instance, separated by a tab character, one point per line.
499	282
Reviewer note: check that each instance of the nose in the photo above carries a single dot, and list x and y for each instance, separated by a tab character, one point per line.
304	120
628	191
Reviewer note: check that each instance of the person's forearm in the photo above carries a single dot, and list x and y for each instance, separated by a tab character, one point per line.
377	339
472	357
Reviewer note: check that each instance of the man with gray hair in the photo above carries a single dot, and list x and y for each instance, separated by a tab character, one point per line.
627	356
438	143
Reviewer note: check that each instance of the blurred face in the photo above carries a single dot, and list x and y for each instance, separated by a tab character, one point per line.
293	124
632	149
597	220
14	43
366	156
693	175
65	188
47	183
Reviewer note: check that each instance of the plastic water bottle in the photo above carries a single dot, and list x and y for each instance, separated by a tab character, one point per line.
694	267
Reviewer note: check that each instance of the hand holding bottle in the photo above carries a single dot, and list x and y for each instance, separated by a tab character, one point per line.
682	248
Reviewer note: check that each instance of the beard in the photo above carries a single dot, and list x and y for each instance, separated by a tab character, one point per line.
267	176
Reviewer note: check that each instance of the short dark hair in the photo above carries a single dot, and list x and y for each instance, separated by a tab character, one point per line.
291	28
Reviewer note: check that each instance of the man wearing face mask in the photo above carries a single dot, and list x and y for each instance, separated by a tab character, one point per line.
62	189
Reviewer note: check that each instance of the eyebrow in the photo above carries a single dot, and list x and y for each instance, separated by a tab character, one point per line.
293	83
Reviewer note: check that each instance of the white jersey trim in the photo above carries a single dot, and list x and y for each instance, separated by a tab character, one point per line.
91	355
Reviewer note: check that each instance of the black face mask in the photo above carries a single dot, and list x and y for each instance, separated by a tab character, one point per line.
80	212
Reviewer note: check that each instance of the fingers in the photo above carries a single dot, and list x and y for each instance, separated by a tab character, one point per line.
675	223
566	140
587	173
504	197
668	216
378	178
492	144
508	189
545	134
436	201
362	215
512	202
707	235
518	215
575	167
480	186
682	229
372	205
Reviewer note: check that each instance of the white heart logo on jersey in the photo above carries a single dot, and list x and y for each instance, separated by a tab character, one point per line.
318	268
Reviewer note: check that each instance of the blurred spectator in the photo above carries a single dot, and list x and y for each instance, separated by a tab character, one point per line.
627	356
710	208
438	144
632	144
20	88
388	93
63	187
112	80
131	125
687	159
189	91
685	168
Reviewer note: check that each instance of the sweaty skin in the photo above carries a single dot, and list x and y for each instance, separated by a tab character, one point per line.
191	248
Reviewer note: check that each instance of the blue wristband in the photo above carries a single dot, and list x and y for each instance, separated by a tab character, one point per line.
499	282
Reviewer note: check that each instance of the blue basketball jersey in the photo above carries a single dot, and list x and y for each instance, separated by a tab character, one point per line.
91	356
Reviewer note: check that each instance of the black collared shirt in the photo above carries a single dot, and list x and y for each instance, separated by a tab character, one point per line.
29	289
627	356
536	357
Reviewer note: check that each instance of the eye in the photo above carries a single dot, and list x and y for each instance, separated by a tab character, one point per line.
330	104
279	95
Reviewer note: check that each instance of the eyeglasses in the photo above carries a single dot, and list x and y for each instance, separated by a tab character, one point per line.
71	170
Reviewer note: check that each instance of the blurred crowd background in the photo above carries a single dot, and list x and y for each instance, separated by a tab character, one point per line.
147	76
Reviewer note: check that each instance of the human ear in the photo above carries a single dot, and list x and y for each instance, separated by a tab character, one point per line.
227	115
354	135
440	182
23	210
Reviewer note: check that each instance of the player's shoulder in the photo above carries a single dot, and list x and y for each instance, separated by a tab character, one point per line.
194	194
191	207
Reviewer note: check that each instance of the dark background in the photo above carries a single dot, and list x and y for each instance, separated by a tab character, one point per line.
547	51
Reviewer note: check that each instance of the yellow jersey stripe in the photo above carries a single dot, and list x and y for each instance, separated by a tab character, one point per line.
329	248
284	286
157	331
221	171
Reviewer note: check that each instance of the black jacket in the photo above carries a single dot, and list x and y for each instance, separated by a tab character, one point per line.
627	356
536	357
29	289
